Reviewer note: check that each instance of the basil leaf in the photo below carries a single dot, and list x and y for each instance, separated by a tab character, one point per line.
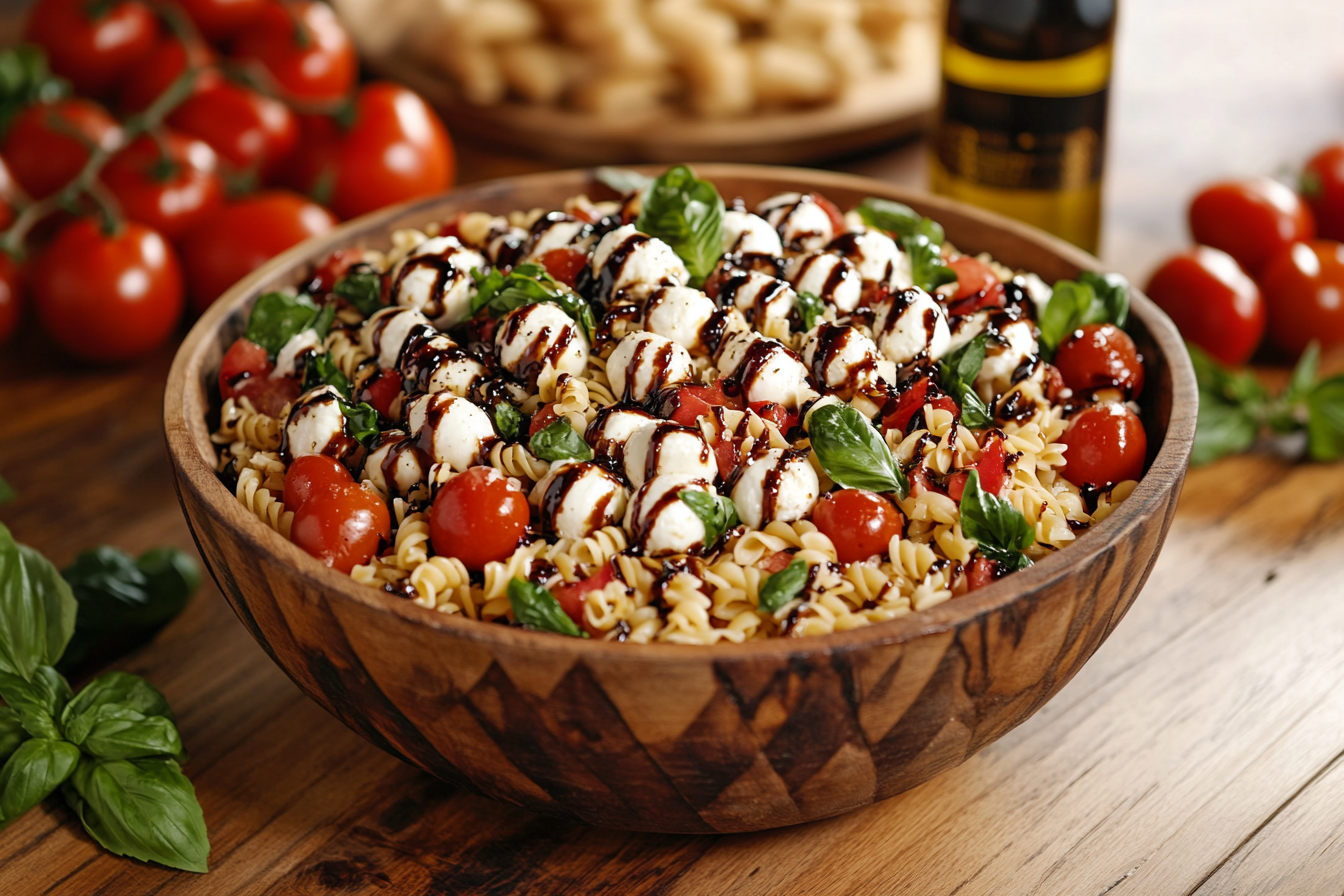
12	732
1001	531
7	492
1112	291
37	702
322	323
622	180
810	309
687	214
560	441
537	608
1325	420
783	586
35	769
174	578
1221	429
508	421
142	808
116	731
361	287
321	370
927	268
1092	299
59	608
120	688
37	610
364	426
529	284
958	372
1291	411
893	217
278	317
852	452
717	513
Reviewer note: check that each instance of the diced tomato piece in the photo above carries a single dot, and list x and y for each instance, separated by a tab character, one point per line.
775	413
974	277
381	390
564	264
570	597
543	418
244	359
726	455
775	562
336	266
983	571
921	481
270	396
912	400
687	404
992	467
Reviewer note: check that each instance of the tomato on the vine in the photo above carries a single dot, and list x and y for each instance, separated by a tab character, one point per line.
250	132
93	45
169	193
1212	301
1107	445
342	526
11	297
304	48
313	474
242	235
221	19
1100	356
162	65
478	517
1251	220
107	297
48	143
859	523
1323	188
1304	294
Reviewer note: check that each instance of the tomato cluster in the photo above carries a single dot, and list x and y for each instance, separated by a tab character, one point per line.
242	132
1269	261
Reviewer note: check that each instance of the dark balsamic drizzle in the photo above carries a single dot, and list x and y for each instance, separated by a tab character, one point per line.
340	446
445	271
545	348
563	482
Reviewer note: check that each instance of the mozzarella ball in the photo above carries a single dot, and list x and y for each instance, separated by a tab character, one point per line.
680	313
436	280
831	278
842	360
577	498
764	369
778	485
644	363
877	259
558	230
660	522
396	465
910	324
456	372
453	430
386	330
612	429
763	296
635	263
435	363
536	337
965	327
745	232
506	245
316	426
802	225
289	361
1016	344
667	448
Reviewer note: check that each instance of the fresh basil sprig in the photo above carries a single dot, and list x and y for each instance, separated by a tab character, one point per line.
508	421
278	317
852	452
717	513
361	287
528	284
921	238
687	214
957	372
1001	531
363	417
893	217
37	610
783	586
560	441
1091	299
321	370
810	309
536	608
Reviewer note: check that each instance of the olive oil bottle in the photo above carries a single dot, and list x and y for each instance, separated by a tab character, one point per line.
1022	123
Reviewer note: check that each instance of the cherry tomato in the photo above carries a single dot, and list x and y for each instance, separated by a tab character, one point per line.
251	133
1107	445
542	419
311	475
42	153
686	404
170	193
304	48
975	278
912	401
859	523
220	19
564	264
107	298
245	372
162	65
1212	302
382	390
341	526
1251	220
92	49
1323	188
982	571
478	517
242	235
11	297
1304	293
775	413
570	597
1100	356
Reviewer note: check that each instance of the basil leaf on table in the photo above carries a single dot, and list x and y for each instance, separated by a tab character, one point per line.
717	513
37	610
37	702
120	688
142	808
623	180
957	372
560	441
1001	531
529	284
853	453
116	731
361	287
687	214
783	586
1325	420
536	608
32	772
810	309
12	732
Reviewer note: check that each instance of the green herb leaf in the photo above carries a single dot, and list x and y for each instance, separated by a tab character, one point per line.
25	79
810	309
37	610
37	702
717	513
560	441
508	421
957	372
32	772
687	214
1221	429
1001	531
278	317
852	452
623	180
893	217
1112	291
1325	420
12	733
927	268
361	287
920	237
142	808
58	604
7	492
783	586
118	731
529	284
537	608
1092	299
119	688
321	370
364	426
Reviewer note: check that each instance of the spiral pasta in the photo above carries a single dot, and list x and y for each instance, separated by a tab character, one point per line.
443	584
239	421
259	502
518	462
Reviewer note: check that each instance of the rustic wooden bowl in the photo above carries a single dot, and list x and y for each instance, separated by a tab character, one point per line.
663	737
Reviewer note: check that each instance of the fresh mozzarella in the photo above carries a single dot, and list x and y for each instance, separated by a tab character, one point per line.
612	428
802	225
910	324
317	426
765	297
778	485
1015	345
579	497
660	522
667	448
745	232
680	314
635	263
644	363
843	360
505	246
876	258
436	280
455	431
395	453
384	333
764	369
831	278
558	230
458	373
965	327
540	337
288	361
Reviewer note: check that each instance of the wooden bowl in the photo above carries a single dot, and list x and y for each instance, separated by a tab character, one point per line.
674	738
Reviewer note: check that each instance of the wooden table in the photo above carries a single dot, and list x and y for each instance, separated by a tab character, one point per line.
1200	751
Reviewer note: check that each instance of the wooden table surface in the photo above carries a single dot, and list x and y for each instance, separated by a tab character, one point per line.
1201	751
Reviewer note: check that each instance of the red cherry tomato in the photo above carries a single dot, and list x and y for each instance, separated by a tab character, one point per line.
107	298
542	419
1251	220
311	475
1304	293
172	194
1212	302
570	597
11	297
251	133
912	401
974	278
982	571
564	264
342	526
1100	356
382	390
246	373
859	523
42	152
775	413
1107	445
1323	188
304	48
155	73
220	19
242	235
478	517
92	45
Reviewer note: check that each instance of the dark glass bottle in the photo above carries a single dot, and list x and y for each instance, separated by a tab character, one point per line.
1022	124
